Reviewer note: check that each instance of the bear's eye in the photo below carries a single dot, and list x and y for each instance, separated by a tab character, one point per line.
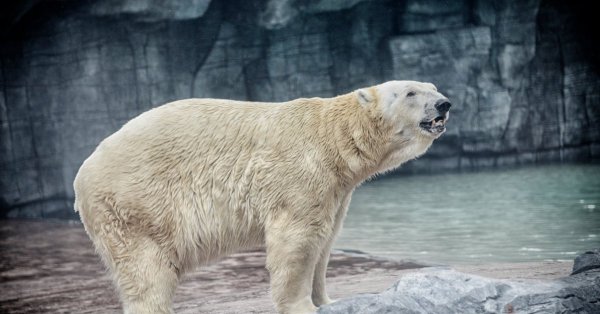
410	94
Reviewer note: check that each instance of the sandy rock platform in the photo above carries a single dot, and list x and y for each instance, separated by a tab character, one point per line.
51	267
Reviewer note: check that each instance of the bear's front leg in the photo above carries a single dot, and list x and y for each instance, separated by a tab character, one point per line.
319	293
292	253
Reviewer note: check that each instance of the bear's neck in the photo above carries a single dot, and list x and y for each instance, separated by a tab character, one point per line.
359	136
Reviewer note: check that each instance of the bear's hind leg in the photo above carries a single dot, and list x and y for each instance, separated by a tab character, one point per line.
146	279
143	273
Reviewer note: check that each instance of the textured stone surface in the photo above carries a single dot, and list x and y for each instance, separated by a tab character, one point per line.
278	14
439	290
522	75
420	16
587	261
151	10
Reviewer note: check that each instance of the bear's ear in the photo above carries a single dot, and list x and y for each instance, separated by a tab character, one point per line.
432	86
364	97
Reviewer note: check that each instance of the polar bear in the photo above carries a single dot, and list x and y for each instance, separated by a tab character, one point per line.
190	181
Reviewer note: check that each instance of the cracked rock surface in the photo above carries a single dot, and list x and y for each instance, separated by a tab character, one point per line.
586	261
442	290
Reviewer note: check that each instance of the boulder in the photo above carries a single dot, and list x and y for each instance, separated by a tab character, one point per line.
586	261
443	290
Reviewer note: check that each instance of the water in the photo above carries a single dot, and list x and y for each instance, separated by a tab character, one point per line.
528	214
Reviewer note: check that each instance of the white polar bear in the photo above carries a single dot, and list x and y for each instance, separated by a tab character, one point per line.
190	181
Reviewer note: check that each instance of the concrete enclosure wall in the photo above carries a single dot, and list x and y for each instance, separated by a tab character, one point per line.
522	75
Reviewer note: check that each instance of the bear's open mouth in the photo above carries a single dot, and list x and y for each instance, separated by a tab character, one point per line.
436	125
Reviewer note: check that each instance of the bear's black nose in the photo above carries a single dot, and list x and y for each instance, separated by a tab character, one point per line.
443	105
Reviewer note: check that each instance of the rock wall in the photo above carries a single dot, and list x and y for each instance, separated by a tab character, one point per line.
523	75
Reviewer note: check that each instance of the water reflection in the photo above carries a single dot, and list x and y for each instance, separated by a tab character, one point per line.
528	214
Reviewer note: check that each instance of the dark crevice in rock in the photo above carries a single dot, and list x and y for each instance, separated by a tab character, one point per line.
562	110
214	17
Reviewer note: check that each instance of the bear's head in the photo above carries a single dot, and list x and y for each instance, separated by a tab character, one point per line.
414	107
415	114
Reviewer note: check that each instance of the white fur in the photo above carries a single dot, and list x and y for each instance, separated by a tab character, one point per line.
193	180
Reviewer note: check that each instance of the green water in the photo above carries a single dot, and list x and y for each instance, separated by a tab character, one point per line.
529	214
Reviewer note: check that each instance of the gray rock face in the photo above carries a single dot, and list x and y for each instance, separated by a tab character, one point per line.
420	16
439	290
586	261
522	75
150	10
278	14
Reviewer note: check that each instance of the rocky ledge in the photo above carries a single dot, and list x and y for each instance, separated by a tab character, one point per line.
443	290
51	267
